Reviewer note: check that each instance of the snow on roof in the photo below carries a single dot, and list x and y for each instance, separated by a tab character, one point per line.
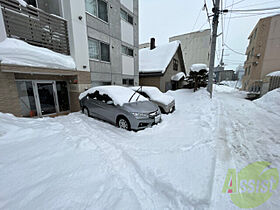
155	94
157	60
198	67
120	95
274	74
14	51
177	77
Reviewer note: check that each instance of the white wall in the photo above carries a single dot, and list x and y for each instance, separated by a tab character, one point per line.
77	30
128	4
127	65
3	34
127	34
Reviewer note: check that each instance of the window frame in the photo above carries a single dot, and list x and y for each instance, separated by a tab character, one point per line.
125	51
97	11
127	15
175	64
128	81
99	50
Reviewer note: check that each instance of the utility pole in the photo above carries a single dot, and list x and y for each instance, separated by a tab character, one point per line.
216	11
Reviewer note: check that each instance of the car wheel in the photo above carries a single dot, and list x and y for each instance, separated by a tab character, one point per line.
86	112
123	123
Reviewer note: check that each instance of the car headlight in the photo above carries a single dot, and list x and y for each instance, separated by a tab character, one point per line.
140	115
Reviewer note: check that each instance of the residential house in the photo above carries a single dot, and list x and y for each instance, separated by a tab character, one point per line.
195	47
262	53
51	51
162	66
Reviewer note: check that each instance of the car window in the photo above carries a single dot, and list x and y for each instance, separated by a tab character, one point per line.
106	98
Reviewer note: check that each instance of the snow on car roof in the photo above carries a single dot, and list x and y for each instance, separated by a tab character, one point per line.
157	60
199	66
120	95
155	94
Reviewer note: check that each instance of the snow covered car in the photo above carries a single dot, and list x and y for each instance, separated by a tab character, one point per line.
166	103
120	106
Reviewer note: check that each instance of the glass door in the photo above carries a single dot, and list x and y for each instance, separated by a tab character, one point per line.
46	98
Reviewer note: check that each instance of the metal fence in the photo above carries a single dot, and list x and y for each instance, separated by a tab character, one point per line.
35	26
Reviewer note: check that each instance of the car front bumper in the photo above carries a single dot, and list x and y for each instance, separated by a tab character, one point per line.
140	124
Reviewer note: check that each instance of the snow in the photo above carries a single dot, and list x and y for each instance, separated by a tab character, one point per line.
14	51
22	3
155	94
157	60
233	84
270	101
120	95
274	74
77	162
198	67
177	77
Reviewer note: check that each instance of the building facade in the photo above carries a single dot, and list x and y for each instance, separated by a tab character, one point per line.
262	53
112	31
195	47
100	37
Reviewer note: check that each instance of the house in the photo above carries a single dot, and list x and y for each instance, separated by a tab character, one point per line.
262	53
162	66
225	75
195	47
51	51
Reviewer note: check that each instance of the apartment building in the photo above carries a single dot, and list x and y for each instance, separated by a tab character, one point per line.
262	53
62	48
195	46
112	29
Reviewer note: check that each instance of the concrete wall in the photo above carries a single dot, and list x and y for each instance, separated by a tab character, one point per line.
195	47
77	31
115	33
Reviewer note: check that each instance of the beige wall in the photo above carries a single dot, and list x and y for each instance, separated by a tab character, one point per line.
266	43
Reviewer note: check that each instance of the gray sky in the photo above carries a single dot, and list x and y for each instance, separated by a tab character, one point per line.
165	18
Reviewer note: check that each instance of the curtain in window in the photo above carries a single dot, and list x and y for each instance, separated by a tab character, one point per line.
91	6
93	48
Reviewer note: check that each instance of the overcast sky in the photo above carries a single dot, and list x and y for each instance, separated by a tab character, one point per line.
165	18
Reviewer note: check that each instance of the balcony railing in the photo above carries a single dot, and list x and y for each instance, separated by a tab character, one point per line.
35	26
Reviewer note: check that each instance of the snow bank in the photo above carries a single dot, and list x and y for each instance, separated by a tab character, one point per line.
177	77
120	95
270	101
157	60
14	51
198	67
233	84
274	74
155	94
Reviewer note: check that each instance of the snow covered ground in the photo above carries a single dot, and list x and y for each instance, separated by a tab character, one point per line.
76	162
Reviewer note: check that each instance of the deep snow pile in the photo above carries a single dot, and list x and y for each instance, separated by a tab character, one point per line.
270	101
77	162
177	77
232	84
14	51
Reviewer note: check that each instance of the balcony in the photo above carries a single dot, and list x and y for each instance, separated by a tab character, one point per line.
35	26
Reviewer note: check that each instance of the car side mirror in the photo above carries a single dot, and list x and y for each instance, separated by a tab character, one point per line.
110	102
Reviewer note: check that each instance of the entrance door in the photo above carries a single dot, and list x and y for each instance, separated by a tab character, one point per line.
46	96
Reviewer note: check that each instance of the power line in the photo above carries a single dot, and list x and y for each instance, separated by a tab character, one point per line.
234	50
246	6
245	16
197	19
254	10
235	3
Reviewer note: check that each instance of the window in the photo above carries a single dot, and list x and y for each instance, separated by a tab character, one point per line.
97	8
127	51
175	64
252	52
98	50
125	16
255	34
249	70
129	82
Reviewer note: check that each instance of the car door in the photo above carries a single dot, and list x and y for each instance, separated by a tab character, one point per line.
106	111
92	104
